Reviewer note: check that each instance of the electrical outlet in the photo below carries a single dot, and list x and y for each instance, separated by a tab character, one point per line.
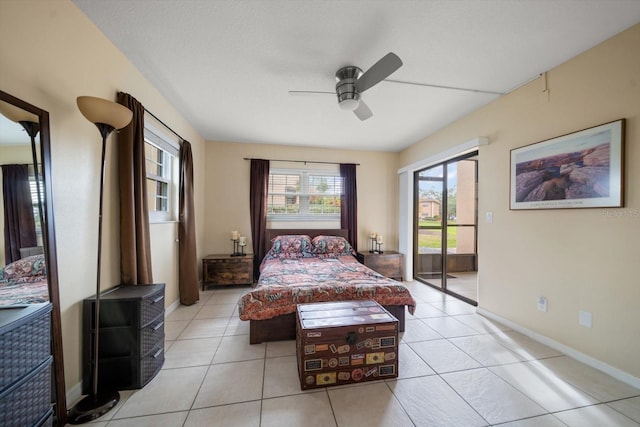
585	318
542	303
489	216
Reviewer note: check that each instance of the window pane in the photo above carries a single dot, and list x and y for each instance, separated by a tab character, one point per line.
151	194
157	195
284	197
434	172
154	159
302	194
324	205
162	178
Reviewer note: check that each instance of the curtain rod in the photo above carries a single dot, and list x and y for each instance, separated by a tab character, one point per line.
165	125
300	161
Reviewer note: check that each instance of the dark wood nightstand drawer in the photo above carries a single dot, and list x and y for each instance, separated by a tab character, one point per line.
227	270
388	263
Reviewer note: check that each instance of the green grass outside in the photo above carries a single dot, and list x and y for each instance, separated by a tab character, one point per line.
433	238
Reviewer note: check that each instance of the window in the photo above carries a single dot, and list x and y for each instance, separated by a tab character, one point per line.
304	195
33	189
161	155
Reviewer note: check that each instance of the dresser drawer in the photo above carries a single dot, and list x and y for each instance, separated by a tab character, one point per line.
152	334
24	340
27	401
152	306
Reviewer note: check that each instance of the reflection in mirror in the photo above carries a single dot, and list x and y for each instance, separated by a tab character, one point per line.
28	258
22	252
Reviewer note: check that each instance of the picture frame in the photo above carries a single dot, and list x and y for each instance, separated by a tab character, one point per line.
583	169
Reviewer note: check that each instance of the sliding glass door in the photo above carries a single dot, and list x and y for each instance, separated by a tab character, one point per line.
445	225
429	241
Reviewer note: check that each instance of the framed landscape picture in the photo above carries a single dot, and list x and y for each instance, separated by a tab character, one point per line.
580	170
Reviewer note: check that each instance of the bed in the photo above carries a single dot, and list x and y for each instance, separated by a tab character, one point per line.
308	265
24	282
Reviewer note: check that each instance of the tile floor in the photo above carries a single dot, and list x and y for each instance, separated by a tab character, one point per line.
464	283
456	369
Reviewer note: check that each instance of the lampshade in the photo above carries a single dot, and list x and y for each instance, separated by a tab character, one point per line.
16	114
98	110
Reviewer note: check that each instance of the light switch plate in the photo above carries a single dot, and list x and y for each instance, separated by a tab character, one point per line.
542	303
585	318
489	217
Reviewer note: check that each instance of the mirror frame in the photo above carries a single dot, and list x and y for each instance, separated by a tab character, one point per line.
51	260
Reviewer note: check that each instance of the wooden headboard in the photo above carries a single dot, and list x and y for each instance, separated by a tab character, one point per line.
271	233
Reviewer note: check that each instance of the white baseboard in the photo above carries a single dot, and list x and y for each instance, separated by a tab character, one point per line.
171	308
74	394
569	351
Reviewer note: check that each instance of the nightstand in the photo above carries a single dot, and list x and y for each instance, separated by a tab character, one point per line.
388	263
224	269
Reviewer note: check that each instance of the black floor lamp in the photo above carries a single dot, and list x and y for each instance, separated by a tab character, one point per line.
107	116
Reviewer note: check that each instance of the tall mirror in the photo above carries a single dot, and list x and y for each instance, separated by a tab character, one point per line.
27	226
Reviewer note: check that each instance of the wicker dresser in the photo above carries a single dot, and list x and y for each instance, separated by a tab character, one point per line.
131	337
25	366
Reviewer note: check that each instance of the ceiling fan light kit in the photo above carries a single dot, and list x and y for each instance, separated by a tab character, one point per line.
348	94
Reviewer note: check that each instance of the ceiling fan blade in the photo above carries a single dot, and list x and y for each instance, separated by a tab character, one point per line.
363	112
309	92
490	92
379	71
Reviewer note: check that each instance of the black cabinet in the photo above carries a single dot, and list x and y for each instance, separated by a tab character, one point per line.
25	366
131	340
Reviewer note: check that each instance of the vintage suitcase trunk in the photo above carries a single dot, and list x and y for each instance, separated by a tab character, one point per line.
345	342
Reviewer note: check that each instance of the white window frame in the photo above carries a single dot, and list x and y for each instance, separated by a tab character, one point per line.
304	194
170	149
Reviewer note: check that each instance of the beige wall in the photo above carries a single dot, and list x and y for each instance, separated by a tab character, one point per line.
52	53
578	259
227	189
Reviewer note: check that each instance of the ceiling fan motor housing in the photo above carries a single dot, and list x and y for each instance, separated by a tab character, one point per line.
348	94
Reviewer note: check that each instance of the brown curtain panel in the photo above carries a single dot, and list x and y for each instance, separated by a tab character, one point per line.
135	248
349	202
188	264
258	191
19	223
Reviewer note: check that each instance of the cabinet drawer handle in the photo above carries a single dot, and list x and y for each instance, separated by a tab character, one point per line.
158	353
158	326
160	298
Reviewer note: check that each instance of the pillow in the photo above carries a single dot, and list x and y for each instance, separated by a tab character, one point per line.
30	266
291	246
332	246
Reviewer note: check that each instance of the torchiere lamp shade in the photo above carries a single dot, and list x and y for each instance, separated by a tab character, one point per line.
98	110
16	114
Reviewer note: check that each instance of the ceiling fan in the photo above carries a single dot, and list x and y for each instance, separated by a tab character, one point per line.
352	81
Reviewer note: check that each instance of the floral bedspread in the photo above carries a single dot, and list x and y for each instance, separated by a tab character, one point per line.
284	283
24	290
24	281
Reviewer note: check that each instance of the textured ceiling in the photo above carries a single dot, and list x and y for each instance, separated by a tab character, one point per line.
227	66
